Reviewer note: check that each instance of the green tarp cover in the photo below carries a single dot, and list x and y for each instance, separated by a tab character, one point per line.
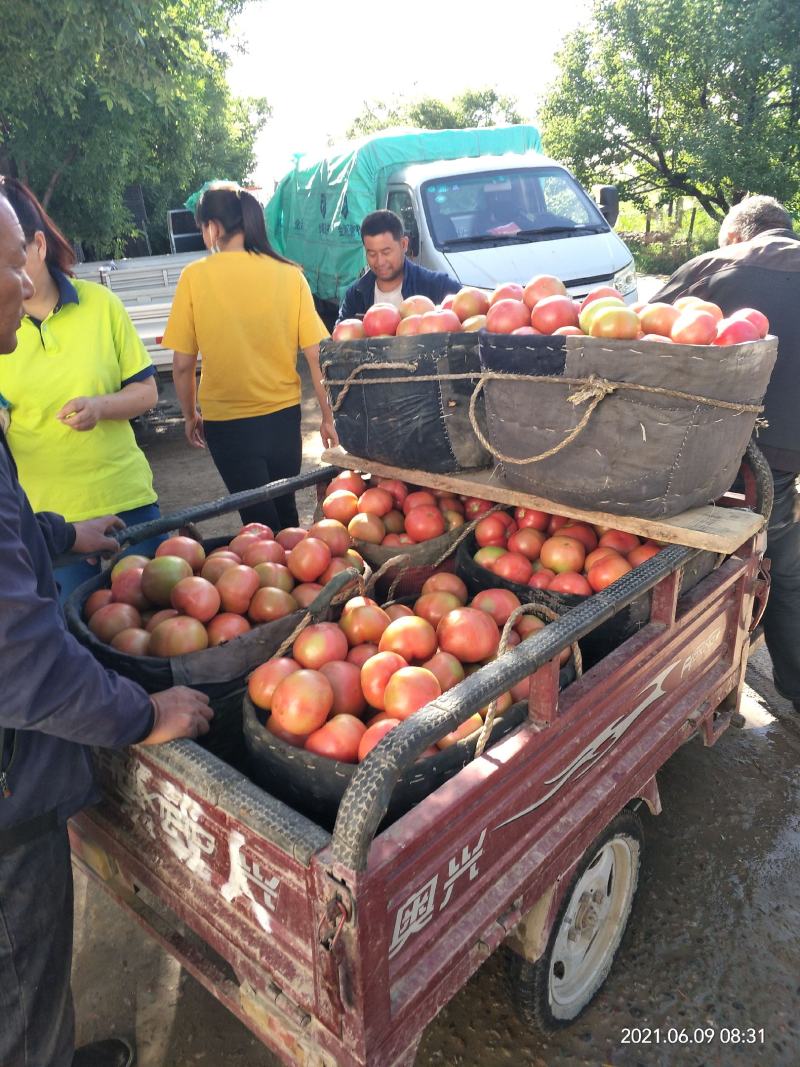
315	214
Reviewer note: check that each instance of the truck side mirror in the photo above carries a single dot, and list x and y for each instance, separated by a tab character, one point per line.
413	243
609	203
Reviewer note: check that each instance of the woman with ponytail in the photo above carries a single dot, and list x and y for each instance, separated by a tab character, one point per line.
248	311
78	376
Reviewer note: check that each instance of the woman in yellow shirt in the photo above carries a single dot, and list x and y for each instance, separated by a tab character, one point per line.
248	311
78	375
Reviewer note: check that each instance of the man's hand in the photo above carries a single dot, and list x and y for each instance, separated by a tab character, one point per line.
327	432
179	712
91	535
81	413
194	431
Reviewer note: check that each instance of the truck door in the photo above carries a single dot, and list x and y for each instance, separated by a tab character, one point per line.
399	201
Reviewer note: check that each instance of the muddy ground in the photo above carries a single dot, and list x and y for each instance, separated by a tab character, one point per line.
713	941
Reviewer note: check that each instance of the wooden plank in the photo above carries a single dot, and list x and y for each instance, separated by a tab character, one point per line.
715	529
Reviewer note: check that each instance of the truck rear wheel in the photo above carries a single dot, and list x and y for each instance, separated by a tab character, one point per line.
553	991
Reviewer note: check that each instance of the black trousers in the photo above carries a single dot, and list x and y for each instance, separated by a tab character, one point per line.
36	1016
782	617
251	452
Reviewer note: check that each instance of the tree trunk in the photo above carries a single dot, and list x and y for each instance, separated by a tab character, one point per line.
56	176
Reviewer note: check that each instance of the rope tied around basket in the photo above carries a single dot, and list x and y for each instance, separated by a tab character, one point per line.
593	389
546	614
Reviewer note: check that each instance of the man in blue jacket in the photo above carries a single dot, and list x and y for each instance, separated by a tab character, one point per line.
57	700
391	276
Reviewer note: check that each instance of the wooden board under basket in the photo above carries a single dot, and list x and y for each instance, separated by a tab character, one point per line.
716	529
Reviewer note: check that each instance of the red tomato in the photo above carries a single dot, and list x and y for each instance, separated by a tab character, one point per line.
309	559
367	528
110	619
126	588
447	669
196	597
499	603
348	330
376	502
177	637
381	320
418	499
488	556
375	675
274	575
237	586
359	654
412	638
597	555
599	293
736	332
333	533
542	287
620	541
337	739
507	291
541	579
713	309
373	734
513	567
350	480
398	489
96	600
582	532
364	624
295	740
434	606
553	312
262	551
758	319
264	680
224	627
301	701
345	679
505	316
607	571
186	548
572	583
415	305
529	517
165	613
560	553
659	318
643	552
133	642
161	575
491	530
444	582
556	522
320	643
341	505
408	690
469	302
290	536
269	604
127	562
444	321
468	634
425	523
618	323
475	506
694	327
398	611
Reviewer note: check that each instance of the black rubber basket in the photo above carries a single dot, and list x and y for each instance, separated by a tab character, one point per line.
422	425
605	637
221	672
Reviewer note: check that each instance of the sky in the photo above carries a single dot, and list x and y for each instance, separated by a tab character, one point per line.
316	63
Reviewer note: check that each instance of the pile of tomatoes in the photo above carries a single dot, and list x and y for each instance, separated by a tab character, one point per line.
553	552
388	512
347	684
543	306
184	601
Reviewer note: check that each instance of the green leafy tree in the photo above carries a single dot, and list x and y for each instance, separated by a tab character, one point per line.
473	107
683	98
101	94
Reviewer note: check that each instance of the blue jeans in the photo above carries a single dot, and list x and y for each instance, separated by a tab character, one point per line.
36	1014
75	574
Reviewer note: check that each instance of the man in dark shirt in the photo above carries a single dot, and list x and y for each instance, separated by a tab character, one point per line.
391	276
57	700
758	266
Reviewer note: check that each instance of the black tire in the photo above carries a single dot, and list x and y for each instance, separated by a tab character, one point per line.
538	990
761	474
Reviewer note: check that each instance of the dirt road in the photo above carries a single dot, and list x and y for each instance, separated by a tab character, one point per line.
713	942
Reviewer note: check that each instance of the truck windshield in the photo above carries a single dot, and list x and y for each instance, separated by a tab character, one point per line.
525	204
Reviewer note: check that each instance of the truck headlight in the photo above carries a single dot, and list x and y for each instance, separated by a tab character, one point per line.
625	279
